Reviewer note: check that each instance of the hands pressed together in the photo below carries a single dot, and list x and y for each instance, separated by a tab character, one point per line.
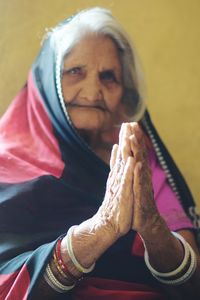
129	201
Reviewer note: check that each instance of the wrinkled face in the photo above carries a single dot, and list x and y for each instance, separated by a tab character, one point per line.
92	83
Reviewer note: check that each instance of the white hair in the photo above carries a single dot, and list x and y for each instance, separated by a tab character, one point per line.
100	21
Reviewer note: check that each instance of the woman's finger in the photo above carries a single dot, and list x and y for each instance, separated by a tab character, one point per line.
124	142
120	171
135	129
126	180
113	156
137	184
115	166
138	146
134	145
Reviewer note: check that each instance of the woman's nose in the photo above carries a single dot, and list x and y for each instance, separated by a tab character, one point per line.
91	89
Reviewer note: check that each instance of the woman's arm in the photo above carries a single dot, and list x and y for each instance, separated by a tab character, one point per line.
165	251
94	236
166	254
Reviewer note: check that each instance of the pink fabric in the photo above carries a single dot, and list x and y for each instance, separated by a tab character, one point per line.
14	286
28	146
168	204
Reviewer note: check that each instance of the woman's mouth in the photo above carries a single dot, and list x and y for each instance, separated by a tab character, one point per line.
99	107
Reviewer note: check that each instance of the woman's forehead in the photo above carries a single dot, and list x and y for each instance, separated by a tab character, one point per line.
94	50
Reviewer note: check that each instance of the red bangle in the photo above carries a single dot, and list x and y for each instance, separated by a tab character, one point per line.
61	262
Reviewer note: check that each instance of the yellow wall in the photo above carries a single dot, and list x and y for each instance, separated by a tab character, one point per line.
167	35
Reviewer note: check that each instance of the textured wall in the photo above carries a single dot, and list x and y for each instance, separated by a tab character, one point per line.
167	36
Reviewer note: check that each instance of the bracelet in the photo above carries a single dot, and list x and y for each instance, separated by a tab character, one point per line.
54	283
61	265
177	270
67	275
188	257
186	276
59	257
72	256
48	281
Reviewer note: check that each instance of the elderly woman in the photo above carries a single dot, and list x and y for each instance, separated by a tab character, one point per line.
90	209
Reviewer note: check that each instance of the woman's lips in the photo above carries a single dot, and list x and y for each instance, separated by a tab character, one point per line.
88	106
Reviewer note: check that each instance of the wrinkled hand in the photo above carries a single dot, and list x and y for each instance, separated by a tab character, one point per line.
129	200
145	213
116	210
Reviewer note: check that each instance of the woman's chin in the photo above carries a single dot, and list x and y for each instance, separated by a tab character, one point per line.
90	122
88	127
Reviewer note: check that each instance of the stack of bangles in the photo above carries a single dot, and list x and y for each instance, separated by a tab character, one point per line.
69	280
181	274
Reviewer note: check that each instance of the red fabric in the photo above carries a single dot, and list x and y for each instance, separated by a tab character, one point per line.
15	286
28	146
95	288
138	247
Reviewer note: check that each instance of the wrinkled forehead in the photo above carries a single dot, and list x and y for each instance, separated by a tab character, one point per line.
97	50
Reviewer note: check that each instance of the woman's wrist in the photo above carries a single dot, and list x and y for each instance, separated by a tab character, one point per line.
153	228
89	240
165	255
76	254
58	274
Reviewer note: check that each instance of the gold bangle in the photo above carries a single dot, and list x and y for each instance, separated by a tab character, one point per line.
68	276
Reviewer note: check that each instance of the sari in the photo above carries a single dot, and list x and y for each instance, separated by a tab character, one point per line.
50	179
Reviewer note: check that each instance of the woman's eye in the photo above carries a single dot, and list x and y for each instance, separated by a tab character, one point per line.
73	71
108	76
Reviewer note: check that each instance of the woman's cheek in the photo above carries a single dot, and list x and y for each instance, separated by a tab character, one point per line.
115	99
69	93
